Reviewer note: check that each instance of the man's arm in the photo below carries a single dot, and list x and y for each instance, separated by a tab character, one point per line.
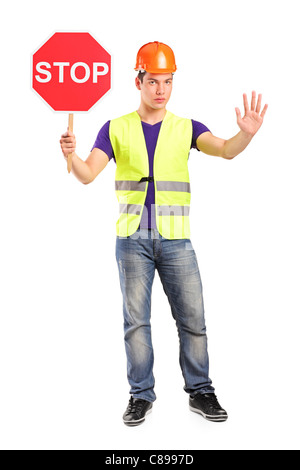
249	125
86	171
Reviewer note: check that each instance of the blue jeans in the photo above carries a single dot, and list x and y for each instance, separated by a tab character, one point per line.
138	257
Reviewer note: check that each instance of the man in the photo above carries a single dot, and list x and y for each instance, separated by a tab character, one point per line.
151	148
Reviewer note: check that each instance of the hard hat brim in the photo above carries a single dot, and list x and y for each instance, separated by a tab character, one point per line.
153	70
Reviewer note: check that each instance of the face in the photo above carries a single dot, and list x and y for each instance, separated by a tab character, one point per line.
156	89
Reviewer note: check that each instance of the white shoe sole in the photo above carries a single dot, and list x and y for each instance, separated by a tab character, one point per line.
138	421
215	419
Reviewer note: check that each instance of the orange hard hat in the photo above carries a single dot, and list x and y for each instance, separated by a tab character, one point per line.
156	57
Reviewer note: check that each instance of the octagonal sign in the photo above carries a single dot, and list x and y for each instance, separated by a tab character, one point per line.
71	71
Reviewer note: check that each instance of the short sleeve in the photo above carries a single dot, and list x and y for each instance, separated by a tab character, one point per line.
198	129
103	142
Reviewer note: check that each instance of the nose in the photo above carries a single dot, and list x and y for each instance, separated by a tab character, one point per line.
160	89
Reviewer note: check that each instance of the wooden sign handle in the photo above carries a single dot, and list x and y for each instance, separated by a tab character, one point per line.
71	116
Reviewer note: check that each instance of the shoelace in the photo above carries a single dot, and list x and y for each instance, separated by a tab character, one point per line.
135	406
212	400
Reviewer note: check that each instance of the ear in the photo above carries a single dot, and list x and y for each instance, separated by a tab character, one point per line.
138	83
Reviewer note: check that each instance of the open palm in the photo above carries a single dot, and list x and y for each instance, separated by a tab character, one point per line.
252	119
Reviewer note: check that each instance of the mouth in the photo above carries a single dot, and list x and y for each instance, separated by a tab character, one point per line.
160	100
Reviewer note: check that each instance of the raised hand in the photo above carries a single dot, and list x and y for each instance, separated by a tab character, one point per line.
253	118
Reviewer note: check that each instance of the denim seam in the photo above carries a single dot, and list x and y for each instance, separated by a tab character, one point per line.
142	397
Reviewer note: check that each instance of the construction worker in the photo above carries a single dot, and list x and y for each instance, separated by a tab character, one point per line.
151	147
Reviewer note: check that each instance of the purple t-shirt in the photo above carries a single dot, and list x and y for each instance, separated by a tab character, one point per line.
151	134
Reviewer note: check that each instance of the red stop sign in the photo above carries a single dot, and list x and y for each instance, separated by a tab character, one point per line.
71	71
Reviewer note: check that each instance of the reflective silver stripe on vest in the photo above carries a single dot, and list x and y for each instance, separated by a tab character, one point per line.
177	186
173	210
134	209
130	186
173	186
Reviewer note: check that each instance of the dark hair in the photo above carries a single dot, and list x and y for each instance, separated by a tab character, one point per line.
141	76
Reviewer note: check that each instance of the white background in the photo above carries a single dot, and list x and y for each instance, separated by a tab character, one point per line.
63	368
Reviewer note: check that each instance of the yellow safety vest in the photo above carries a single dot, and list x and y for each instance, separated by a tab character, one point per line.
170	170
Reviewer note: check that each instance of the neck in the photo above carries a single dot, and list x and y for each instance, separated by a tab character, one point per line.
150	115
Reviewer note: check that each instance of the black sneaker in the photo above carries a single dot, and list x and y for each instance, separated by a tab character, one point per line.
208	406
136	412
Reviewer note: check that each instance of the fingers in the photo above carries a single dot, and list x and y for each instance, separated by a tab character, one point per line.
256	107
67	137
68	143
264	111
68	134
246	105
238	113
253	101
